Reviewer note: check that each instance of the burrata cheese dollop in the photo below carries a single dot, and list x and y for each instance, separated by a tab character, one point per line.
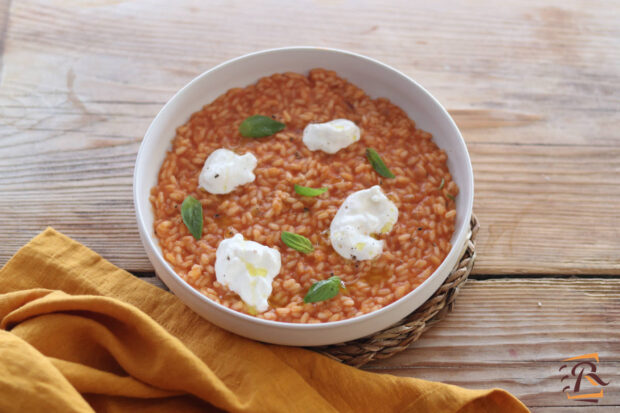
224	171
247	268
362	214
331	136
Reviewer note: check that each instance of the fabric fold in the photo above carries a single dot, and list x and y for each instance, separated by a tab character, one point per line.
97	337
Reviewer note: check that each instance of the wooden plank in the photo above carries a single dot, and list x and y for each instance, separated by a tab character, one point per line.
514	334
547	209
499	335
534	89
539	209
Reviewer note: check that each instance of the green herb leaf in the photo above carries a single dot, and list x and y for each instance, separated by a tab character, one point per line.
451	197
377	163
191	212
259	126
297	242
307	191
443	181
324	290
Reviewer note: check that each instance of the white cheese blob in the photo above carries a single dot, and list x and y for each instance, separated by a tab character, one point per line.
363	213
247	268
224	170
331	136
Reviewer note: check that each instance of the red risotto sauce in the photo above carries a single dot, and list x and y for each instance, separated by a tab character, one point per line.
423	191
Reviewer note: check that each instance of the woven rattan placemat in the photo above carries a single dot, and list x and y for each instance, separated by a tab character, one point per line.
399	336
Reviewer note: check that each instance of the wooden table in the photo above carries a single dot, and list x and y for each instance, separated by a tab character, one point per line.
534	87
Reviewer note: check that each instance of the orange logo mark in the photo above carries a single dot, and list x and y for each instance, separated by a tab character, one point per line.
577	372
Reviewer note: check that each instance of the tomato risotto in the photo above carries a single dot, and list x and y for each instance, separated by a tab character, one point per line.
422	190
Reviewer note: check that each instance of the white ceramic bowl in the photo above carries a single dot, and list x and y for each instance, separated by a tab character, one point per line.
378	80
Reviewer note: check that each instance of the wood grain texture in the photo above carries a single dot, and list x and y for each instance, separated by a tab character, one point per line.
498	335
535	89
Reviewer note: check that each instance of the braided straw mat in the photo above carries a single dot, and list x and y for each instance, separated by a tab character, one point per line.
399	336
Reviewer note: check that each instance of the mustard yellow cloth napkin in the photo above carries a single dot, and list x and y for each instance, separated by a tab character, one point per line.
78	334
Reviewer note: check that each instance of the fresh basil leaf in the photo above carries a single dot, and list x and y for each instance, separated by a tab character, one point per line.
259	126
307	191
377	163
451	197
191	212
443	181
324	290
297	242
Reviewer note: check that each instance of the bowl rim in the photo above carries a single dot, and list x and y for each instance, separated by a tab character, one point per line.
149	241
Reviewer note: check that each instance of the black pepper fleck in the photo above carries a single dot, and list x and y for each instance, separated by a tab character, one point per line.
297	155
419	228
217	175
216	216
306	209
